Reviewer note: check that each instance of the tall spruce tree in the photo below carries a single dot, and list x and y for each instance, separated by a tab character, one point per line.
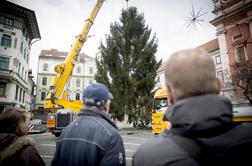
127	65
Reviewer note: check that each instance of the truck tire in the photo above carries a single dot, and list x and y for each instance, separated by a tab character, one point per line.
57	134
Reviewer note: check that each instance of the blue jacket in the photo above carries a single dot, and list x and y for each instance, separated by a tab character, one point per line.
92	139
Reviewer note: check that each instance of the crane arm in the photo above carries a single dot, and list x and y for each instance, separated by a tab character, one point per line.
64	70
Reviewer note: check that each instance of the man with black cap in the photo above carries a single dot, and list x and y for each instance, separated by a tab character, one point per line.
92	139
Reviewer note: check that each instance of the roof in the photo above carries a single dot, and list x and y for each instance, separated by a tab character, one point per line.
27	14
54	53
210	46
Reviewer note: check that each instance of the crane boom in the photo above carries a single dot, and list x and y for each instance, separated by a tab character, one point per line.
56	97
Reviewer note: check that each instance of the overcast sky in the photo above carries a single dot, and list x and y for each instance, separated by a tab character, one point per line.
61	20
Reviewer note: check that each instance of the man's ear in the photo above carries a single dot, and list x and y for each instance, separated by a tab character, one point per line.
170	98
106	106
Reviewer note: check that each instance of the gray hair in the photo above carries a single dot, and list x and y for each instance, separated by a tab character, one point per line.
190	72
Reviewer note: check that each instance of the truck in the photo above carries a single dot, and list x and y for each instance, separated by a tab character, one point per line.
60	108
160	106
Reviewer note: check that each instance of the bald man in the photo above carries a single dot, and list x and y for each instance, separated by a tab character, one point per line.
202	131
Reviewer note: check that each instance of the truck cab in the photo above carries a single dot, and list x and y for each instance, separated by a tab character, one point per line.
60	120
159	107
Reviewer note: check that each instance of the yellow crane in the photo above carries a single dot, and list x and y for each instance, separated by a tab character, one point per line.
56	101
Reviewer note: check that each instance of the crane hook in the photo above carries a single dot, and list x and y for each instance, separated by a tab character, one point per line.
127	1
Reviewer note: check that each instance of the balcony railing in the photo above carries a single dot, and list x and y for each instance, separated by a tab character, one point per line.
5	73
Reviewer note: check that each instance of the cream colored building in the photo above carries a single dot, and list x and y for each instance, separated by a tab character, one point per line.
213	49
160	78
18	29
83	74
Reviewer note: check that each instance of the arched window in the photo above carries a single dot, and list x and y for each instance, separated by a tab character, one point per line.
43	95
77	97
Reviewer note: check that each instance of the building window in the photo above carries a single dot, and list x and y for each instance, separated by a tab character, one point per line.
6	40
24	53
20	94
16	96
91	70
220	75
23	31
15	42
8	22
77	82
2	88
244	76
21	47
33	91
23	96
19	66
237	38
241	54
25	75
45	67
44	81
77	97
4	63
78	69
22	72
218	59
158	79
43	95
27	59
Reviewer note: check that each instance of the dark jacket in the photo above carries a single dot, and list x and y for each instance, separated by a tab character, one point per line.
15	150
209	137
92	139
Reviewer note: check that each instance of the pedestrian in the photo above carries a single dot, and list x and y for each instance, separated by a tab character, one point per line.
202	131
16	148
92	139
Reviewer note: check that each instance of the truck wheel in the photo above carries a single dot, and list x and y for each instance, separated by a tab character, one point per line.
57	134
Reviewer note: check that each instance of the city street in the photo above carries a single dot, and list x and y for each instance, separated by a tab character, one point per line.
45	143
184	66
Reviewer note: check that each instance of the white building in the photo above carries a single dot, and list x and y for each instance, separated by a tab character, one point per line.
160	78
83	74
18	27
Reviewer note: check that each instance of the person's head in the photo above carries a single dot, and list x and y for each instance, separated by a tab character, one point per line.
97	95
13	121
190	72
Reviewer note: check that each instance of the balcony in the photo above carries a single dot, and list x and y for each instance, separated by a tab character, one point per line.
6	74
9	75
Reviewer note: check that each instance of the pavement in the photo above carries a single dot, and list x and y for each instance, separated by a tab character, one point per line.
132	138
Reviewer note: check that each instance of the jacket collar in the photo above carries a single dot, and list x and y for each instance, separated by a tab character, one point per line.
200	116
96	112
17	144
